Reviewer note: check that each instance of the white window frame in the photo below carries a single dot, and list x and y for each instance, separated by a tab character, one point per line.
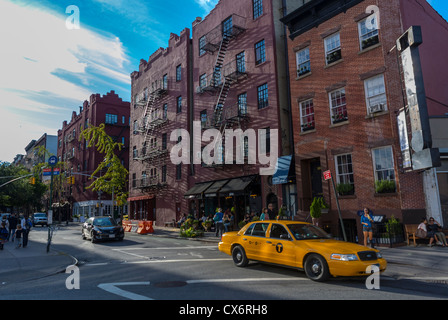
332	46
307	105
376	94
303	60
365	33
344	177
334	107
376	162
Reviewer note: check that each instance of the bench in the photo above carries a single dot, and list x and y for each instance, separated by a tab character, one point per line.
410	230
170	224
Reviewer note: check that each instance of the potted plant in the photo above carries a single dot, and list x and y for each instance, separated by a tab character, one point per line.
345	189
385	186
207	224
315	210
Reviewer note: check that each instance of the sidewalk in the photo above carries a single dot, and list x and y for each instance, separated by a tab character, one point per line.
30	263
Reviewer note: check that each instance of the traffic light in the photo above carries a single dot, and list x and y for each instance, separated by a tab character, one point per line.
71	180
32	180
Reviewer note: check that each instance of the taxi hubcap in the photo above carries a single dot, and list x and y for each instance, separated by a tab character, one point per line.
316	267
238	256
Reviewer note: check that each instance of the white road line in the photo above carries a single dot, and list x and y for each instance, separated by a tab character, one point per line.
176	261
112	288
167	248
244	280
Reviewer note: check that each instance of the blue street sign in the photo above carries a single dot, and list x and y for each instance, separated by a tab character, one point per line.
52	161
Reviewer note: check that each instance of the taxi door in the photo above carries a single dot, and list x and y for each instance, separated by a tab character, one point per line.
253	241
281	248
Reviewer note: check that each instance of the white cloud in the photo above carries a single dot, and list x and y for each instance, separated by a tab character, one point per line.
207	5
44	66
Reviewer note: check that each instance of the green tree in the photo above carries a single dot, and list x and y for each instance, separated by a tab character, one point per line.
113	177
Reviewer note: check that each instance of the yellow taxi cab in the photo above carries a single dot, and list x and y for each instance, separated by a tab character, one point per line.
300	245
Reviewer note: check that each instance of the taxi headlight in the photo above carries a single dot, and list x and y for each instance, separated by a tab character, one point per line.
344	257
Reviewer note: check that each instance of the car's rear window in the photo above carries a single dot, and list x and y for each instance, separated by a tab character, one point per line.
40	215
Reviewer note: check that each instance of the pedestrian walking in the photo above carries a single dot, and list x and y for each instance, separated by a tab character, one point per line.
3	234
26	227
218	221
13	221
366	222
19	233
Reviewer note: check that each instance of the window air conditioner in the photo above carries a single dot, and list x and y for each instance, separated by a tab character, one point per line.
377	108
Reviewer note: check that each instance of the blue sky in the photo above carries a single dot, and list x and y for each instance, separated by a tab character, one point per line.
47	70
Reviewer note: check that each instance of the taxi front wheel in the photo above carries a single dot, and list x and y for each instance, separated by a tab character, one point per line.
316	268
239	256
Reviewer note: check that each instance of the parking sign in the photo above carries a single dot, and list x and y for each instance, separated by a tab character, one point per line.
327	175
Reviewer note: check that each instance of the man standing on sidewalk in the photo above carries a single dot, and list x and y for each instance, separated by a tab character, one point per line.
12	226
218	220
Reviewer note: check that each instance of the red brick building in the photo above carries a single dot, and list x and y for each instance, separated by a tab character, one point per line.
81	161
346	92
161	102
239	83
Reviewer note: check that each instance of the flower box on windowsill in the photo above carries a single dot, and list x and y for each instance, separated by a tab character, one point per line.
307	127
333	57
303	72
370	42
339	120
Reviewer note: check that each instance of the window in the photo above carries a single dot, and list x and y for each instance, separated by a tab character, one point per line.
134	152
135	127
241	62
242	104
179	104
203	81
163	173
165	111
333	48
257	229
338	106
227	27
383	165
111	118
262	92
258	8
265	140
134	180
307	115
344	174
164	141
368	32
123	119
260	52
165	82
203	116
179	73
179	171
123	141
303	62
279	232
375	94
202	43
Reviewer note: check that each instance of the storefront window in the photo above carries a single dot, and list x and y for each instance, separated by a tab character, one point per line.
442	177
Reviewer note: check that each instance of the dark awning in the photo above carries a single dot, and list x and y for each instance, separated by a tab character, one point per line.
283	166
237	185
197	190
215	188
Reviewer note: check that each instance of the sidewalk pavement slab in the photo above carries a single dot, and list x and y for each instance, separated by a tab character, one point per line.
32	262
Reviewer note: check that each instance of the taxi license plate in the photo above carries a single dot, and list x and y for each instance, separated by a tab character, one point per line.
111	236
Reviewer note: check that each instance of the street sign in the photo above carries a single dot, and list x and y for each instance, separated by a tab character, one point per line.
47	172
327	175
52	161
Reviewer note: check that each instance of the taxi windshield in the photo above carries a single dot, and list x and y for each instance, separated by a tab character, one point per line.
307	232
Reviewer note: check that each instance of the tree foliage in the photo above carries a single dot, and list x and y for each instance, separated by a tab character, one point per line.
110	176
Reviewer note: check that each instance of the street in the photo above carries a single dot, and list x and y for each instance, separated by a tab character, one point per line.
147	267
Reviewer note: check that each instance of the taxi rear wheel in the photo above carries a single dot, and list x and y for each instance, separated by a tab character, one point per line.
316	268
239	257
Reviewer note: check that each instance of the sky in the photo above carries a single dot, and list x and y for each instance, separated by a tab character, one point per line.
47	69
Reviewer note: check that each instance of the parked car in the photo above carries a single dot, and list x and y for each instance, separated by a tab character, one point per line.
102	228
40	218
299	245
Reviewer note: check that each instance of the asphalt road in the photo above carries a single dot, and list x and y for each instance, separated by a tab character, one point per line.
156	268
